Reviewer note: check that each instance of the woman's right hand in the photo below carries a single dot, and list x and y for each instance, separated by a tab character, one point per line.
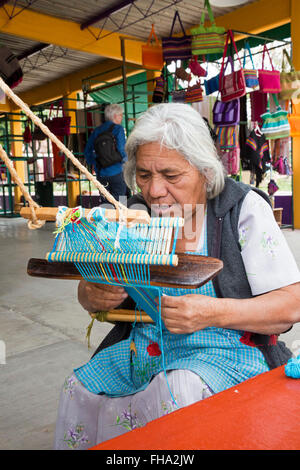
96	297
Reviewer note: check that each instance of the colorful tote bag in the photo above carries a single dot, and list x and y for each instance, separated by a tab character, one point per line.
289	81
269	80
275	125
250	75
226	114
177	47
228	137
207	40
194	93
152	55
233	85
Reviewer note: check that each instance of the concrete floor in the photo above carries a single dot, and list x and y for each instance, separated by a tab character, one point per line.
42	333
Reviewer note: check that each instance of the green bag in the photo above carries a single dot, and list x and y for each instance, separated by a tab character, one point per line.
290	81
275	125
207	40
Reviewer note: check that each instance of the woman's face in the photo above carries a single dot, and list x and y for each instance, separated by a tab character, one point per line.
169	184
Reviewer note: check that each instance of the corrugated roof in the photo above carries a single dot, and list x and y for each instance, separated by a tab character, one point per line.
135	20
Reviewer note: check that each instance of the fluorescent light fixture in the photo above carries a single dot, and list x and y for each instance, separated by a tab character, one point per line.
227	3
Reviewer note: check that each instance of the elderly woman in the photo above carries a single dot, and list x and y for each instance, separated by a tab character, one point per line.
214	337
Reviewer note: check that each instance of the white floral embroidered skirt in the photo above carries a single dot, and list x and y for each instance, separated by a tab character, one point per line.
86	419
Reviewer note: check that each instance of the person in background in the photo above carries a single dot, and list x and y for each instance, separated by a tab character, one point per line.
111	176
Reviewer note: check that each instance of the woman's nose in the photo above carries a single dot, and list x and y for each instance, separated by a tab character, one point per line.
157	187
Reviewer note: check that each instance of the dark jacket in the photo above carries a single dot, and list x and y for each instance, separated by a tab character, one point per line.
223	243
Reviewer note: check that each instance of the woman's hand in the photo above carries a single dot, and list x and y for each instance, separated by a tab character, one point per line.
187	313
96	297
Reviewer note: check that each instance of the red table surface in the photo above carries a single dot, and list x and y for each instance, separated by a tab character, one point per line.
262	413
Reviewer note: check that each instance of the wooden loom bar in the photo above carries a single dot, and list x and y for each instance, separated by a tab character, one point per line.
49	214
192	271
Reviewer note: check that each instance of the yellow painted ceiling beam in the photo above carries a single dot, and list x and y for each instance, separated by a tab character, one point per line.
48	29
106	71
257	17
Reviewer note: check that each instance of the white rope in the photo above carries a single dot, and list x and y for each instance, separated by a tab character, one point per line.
62	147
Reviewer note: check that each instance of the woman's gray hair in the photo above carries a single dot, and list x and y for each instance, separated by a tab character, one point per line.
111	111
178	127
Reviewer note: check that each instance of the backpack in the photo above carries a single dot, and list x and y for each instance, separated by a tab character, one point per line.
106	149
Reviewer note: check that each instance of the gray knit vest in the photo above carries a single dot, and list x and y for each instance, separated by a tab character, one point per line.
223	243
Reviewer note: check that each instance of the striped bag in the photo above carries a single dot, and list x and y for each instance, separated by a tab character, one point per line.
233	85
207	40
227	137
194	94
177	47
250	75
275	125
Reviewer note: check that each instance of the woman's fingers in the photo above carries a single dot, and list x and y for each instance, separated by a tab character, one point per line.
95	297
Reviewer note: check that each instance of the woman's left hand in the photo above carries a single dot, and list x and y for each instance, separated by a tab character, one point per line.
187	313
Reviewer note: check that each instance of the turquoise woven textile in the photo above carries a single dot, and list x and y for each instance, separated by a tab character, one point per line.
215	354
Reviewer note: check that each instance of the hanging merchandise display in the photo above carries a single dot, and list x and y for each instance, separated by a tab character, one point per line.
231	160
194	93
257	153
207	39
289	81
182	74
258	102
228	137
196	68
233	85
294	121
212	85
178	96
250	75
159	90
269	80
152	54
27	136
58	125
177	47
275	125
226	114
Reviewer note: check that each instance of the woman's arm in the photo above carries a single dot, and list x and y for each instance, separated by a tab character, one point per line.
270	313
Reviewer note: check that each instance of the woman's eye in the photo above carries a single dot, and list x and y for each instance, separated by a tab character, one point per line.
171	177
143	176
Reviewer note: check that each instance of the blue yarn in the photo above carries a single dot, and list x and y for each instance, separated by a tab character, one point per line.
292	368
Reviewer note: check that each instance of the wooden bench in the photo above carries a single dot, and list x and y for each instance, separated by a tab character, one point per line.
262	413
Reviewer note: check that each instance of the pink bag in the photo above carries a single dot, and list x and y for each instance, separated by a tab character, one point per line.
231	86
269	80
231	161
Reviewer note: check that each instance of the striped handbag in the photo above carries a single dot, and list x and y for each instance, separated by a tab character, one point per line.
233	85
177	47
207	40
250	75
275	125
194	93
